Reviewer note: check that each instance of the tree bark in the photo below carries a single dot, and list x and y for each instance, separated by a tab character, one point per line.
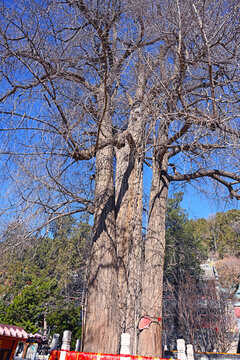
129	207
129	240
150	340
102	330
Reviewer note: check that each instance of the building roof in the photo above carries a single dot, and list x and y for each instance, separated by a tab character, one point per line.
13	331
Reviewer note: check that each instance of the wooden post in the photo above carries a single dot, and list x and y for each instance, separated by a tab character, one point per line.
25	347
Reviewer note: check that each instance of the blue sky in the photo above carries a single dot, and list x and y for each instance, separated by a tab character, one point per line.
198	205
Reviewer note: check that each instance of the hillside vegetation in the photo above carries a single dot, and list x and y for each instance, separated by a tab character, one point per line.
43	277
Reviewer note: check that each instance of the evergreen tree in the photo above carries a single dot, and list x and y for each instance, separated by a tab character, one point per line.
46	279
220	233
183	250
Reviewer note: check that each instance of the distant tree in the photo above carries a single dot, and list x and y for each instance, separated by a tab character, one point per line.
205	316
195	309
219	233
65	316
229	272
227	232
184	251
42	301
182	264
63	255
45	279
27	307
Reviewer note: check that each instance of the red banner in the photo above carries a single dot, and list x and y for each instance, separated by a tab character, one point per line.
73	355
237	311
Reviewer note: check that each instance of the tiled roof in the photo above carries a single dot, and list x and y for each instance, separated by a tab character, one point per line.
13	331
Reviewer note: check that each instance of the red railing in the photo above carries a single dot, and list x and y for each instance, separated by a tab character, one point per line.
74	355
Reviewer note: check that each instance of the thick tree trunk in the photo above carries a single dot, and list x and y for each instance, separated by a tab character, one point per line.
129	207
150	340
101	332
129	240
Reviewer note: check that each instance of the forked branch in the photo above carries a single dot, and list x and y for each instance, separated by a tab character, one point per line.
220	176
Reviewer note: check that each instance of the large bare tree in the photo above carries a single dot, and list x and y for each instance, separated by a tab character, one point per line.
93	94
